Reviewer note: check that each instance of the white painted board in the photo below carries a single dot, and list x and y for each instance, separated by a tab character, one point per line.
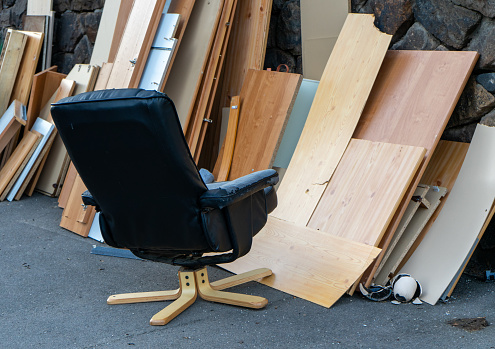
94	231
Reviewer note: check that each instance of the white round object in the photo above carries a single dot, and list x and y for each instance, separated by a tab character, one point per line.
405	288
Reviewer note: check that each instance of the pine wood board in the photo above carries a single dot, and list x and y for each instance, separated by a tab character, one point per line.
67	186
122	17
34	23
18	158
247	45
413	88
442	171
443	250
14	45
106	31
39	7
267	98
405	241
185	76
337	106
306	263
27	68
229	143
74	209
365	190
411	210
135	44
103	76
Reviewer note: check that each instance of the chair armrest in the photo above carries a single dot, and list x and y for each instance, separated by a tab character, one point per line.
222	194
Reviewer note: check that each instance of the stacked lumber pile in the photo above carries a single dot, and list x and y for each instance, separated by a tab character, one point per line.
368	190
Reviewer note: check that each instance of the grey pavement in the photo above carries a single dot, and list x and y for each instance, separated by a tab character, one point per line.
53	295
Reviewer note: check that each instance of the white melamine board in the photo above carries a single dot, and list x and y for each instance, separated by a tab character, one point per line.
443	250
296	122
157	66
190	59
106	29
94	231
45	128
39	7
7	117
166	29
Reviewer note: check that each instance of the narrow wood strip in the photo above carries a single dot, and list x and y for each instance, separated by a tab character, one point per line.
124	11
67	186
103	76
337	106
230	138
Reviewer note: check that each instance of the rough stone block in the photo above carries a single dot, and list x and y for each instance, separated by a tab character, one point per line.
417	38
483	41
485	7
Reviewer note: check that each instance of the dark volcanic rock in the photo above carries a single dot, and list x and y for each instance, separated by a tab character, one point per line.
391	15
485	7
449	23
460	134
274	57
487	80
483	41
289	28
417	38
489	119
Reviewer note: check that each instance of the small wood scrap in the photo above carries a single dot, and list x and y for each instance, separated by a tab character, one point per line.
470	324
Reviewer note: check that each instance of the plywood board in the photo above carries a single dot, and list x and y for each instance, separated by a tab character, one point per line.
106	31
365	190
267	98
443	250
39	7
403	243
296	122
135	44
413	89
192	54
337	106
27	68
306	263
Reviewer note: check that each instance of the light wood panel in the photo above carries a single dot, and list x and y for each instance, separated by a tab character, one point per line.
230	137
267	98
306	263
185	76
122	17
103	76
106	31
443	250
135	44
413	89
337	106
27	68
39	7
67	186
365	190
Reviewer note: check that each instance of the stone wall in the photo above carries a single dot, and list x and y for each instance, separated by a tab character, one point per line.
446	25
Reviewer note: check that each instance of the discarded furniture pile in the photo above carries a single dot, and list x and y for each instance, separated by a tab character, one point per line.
368	191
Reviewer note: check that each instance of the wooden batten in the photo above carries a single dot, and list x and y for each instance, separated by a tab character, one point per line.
225	161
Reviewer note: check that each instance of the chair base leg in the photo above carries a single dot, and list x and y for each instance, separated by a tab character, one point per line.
193	283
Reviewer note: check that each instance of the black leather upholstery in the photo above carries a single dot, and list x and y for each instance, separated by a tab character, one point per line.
128	147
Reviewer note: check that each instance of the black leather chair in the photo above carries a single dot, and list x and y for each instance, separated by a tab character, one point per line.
129	149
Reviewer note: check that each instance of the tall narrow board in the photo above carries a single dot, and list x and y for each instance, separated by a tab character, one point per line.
247	45
27	68
106	31
337	106
370	175
267	98
122	17
443	250
442	171
306	263
183	82
135	44
413	89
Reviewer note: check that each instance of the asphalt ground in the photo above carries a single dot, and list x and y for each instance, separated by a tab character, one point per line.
53	294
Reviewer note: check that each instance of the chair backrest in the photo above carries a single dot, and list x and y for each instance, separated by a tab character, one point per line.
129	149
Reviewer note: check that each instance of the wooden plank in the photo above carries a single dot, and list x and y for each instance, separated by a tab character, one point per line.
458	224
14	45
103	76
442	171
67	186
183	82
247	45
411	211
405	241
18	158
106	31
413	88
122	17
306	263
48	47
267	98
337	106
27	68
135	44
230	137
365	190
74	209
39	7
34	23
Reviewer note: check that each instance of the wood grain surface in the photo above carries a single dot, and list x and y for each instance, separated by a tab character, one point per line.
337	106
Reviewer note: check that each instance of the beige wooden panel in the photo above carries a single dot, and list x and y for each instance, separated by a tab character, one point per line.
316	53
135	44
103	76
185	75
306	263
39	7
405	241
106	30
443	250
122	17
413	89
27	68
365	190
337	106
12	52
267	98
